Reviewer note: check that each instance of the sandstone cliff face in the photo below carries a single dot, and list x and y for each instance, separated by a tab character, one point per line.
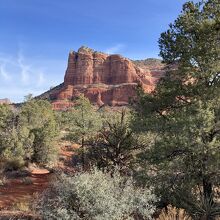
5	101
104	79
88	67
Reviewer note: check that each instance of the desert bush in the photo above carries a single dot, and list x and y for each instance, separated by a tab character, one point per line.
115	145
96	196
13	164
202	207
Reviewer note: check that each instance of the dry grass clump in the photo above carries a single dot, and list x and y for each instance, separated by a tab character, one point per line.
23	206
3	180
172	213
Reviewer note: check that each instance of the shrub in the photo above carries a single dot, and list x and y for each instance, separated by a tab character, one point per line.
13	164
115	145
96	196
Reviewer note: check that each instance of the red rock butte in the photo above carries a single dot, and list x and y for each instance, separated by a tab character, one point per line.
5	101
104	79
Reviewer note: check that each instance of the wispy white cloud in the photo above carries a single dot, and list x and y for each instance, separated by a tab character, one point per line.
21	69
115	49
41	79
3	72
21	74
25	69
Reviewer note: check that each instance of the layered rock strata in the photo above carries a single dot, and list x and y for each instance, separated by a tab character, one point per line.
104	79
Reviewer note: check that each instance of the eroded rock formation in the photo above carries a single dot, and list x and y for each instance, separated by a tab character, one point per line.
104	79
5	101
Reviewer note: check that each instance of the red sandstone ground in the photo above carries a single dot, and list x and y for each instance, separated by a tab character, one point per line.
17	191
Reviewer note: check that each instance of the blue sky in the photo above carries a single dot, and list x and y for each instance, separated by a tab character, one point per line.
37	35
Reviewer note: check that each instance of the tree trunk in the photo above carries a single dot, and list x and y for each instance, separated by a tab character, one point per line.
207	190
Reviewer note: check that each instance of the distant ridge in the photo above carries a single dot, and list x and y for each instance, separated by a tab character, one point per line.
47	94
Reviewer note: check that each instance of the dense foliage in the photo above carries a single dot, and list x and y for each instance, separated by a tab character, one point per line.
39	118
183	114
27	134
15	139
115	145
97	196
82	122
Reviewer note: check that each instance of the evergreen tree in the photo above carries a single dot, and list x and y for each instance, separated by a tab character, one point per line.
183	114
83	122
115	145
15	139
39	118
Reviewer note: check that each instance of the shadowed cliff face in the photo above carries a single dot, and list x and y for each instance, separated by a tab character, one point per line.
105	79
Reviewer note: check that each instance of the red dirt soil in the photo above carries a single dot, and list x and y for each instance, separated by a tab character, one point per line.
16	190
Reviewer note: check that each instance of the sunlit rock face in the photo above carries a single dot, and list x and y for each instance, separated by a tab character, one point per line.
5	101
105	79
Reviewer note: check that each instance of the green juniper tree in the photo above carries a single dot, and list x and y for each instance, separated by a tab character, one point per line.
15	139
39	118
83	122
115	145
183	114
28	134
